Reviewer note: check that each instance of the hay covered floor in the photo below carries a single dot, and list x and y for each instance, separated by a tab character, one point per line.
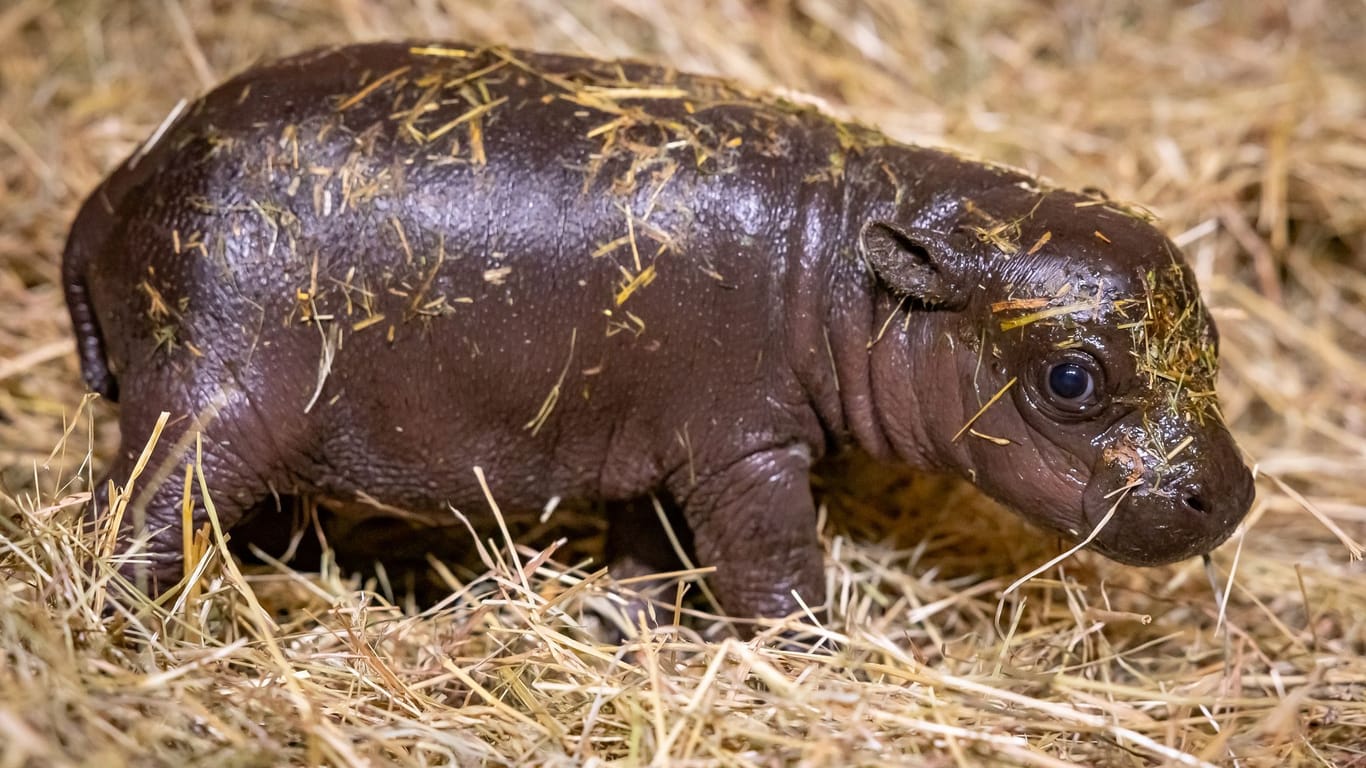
1242	125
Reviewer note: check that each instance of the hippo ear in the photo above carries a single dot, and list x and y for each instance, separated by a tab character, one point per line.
917	263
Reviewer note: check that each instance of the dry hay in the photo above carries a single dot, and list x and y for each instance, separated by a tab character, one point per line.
1243	125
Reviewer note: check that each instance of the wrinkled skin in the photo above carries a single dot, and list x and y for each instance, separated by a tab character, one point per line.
363	272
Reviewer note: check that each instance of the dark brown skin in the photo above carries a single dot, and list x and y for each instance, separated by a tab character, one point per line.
368	270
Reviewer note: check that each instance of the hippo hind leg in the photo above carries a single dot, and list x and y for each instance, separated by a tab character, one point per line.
240	461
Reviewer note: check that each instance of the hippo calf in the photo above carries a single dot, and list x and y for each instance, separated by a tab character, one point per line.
362	272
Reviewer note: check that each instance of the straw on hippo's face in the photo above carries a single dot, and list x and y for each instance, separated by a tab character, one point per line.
1087	400
1115	362
1184	485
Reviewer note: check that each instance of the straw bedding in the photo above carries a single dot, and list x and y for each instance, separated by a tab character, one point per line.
1242	125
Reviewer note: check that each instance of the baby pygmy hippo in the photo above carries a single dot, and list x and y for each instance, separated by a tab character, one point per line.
368	270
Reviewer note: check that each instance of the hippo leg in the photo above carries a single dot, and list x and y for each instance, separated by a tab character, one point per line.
637	547
153	513
755	521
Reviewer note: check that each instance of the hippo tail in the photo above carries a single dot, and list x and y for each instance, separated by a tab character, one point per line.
87	235
90	234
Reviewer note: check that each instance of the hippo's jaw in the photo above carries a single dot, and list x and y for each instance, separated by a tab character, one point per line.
1170	489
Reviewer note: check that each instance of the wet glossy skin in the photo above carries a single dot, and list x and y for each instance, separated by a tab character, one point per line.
367	271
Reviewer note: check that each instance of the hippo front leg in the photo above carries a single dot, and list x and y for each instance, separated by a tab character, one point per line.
755	522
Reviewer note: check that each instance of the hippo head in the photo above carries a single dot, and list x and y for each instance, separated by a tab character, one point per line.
1062	359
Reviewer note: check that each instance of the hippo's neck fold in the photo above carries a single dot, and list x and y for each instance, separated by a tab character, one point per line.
881	372
831	305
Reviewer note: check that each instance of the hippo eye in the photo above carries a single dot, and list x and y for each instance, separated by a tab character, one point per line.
1073	384
1070	382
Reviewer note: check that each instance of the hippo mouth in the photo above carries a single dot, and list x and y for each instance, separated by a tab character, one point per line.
1155	507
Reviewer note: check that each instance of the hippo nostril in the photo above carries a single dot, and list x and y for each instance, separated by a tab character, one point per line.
1196	503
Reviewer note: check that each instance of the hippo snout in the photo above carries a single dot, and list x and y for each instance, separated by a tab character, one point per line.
1188	489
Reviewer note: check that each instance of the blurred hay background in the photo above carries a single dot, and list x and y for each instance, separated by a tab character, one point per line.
1242	124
